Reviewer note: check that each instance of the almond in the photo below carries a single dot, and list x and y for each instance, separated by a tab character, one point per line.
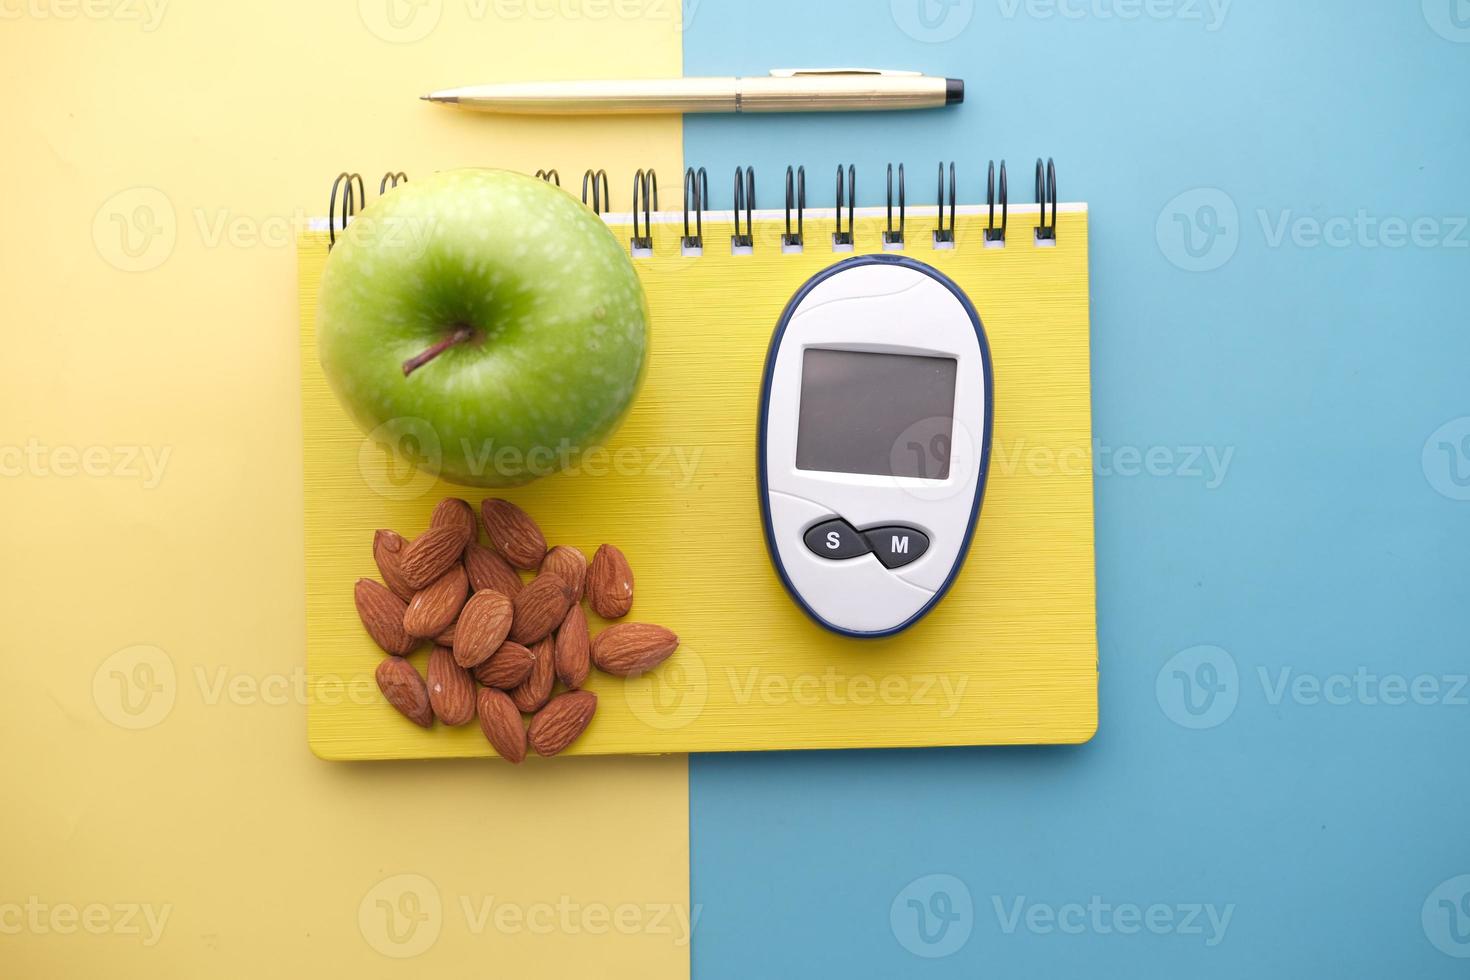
573	648
405	690
388	553
632	648
540	607
533	693
453	512
430	554
382	614
610	583
446	639
483	625
490	571
570	564
502	725
434	609
560	723
513	533
508	668
451	689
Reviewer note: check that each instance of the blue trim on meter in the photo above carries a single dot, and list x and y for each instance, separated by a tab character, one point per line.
763	481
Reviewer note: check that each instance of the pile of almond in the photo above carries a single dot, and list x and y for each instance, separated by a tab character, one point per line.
501	644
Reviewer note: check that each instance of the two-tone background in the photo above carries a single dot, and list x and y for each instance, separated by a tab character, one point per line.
1279	215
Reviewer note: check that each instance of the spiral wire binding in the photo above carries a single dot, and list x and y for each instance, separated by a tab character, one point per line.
744	201
992	233
349	204
890	237
795	198
349	196
1046	190
645	188
840	237
601	199
943	234
696	198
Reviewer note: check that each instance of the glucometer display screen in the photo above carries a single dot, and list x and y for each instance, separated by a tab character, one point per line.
879	414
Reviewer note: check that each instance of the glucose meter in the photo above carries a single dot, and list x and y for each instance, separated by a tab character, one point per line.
874	442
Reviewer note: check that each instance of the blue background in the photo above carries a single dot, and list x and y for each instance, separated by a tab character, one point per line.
1336	543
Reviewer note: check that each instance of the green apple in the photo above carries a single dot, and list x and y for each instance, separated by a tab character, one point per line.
488	322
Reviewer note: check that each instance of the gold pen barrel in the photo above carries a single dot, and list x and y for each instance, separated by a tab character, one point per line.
842	93
827	92
629	97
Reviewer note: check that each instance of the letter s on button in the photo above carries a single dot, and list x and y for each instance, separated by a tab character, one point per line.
835	540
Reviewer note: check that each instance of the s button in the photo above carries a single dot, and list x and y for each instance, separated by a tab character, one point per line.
835	539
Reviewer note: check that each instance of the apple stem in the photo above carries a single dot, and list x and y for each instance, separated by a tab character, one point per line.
458	337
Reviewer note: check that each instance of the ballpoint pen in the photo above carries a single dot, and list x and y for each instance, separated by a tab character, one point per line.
783	90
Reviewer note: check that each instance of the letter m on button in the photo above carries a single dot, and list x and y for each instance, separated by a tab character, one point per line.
897	546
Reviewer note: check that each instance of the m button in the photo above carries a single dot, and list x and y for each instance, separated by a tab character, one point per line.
896	547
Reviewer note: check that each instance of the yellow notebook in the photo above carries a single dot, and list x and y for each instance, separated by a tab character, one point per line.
1009	656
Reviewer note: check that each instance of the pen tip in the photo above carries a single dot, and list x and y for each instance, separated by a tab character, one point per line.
439	98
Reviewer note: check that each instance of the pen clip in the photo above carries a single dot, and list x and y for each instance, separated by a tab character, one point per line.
794	72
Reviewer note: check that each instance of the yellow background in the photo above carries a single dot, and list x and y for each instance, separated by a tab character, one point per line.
217	129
